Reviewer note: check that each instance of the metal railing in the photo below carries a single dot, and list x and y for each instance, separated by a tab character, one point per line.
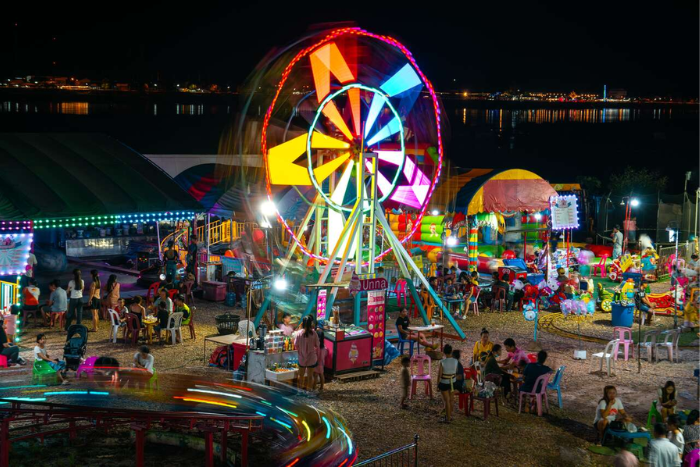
9	294
226	231
405	456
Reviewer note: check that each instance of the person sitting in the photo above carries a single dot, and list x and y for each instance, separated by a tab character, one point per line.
667	398
181	307
449	290
142	368
121	308
31	299
610	409
57	303
482	347
402	324
644	305
8	349
136	308
662	453
515	355
169	282
40	353
163	315
163	297
691	433
286	324
492	368
144	360
499	284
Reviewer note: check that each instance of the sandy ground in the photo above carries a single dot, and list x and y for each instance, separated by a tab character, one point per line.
378	424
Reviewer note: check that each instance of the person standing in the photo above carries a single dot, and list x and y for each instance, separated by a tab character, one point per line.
192	254
75	305
307	345
170	256
663	453
617	242
94	301
112	292
58	302
447	375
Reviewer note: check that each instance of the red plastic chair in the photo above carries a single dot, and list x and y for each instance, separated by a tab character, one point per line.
539	391
57	316
499	296
133	328
189	297
172	293
600	266
421	362
152	292
400	291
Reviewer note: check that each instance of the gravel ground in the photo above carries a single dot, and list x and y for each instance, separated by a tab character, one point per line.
371	407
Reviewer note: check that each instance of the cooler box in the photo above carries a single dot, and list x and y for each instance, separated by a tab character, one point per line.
535	278
509	274
622	316
214	291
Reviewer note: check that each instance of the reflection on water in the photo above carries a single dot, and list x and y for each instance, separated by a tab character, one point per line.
513	117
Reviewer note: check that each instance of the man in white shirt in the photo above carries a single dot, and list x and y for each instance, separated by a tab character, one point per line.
663	453
617	242
143	359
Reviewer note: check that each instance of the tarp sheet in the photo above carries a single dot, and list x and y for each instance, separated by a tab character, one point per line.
58	175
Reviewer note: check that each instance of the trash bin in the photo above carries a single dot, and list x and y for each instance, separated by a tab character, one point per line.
227	323
622	315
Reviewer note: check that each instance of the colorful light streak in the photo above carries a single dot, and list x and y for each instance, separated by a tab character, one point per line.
205	401
350	447
292	414
308	430
328	427
286	425
216	393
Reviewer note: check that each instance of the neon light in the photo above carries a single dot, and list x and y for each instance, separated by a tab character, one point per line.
205	401
331	111
260	413
23	387
335	219
403	80
286	425
308	430
99	393
25	399
217	393
266	403
378	101
293	462
328	427
287	412
280	86
388	130
66	393
354	98
349	440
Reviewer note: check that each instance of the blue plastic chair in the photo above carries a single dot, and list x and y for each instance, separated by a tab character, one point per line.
556	383
403	341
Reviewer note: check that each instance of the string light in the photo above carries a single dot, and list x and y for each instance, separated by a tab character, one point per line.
87	221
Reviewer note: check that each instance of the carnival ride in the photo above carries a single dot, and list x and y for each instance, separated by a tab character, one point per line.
350	104
297	434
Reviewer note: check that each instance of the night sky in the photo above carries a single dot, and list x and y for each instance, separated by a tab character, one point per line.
648	49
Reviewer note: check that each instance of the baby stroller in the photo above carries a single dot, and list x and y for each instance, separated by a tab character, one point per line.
76	346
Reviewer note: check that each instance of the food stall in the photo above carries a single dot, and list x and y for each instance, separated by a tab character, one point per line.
349	349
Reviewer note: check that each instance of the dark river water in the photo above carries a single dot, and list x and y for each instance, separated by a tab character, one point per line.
558	141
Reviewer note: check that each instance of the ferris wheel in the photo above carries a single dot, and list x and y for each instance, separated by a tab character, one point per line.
360	133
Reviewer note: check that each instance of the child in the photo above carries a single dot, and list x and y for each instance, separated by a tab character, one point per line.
667	398
40	353
675	435
286	324
163	317
121	308
405	380
322	352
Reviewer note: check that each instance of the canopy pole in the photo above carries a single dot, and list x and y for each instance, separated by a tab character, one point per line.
160	250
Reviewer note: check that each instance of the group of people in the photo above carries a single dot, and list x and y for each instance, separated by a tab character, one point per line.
309	342
506	370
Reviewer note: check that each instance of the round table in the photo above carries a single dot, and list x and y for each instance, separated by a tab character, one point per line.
150	324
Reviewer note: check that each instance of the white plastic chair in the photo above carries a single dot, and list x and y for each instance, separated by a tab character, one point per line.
474	304
648	343
116	323
670	344
608	355
174	326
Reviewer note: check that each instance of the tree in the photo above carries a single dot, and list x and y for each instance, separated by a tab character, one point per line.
637	180
592	185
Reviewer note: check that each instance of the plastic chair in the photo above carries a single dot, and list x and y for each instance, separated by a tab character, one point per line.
115	323
539	391
27	313
152	292
174	326
600	266
624	336
400	291
475	303
648	343
607	355
692	459
555	385
133	328
3	361
153	381
670	340
401	343
654	415
57	316
421	362
189	296
42	373
87	367
499	295
412	307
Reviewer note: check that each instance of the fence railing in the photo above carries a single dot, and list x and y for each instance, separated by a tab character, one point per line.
405	456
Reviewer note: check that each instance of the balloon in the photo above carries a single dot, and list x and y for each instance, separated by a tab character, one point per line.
258	236
508	254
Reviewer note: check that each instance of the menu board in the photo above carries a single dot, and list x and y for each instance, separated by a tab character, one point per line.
564	209
376	321
321	304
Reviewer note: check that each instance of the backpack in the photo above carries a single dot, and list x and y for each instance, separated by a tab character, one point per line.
219	357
